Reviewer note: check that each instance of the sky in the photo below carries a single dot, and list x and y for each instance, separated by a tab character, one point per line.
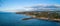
15	5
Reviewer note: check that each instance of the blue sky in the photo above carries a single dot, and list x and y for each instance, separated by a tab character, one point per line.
20	4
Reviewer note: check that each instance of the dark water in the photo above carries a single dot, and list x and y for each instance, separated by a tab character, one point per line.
12	19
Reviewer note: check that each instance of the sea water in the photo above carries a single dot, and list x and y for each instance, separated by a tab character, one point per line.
13	19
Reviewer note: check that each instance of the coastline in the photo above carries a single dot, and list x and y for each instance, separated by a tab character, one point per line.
41	15
43	18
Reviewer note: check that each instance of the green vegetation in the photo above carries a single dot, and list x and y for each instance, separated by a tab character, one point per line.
45	14
57	15
54	15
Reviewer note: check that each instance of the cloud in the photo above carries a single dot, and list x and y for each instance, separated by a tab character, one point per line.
45	7
41	7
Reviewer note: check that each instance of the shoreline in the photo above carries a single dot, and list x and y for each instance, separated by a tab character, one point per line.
42	15
49	19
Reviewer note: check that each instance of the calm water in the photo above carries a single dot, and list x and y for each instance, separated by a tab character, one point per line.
12	19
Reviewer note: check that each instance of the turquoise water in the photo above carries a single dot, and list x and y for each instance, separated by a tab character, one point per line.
12	19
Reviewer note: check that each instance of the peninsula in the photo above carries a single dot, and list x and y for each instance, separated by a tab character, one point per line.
44	15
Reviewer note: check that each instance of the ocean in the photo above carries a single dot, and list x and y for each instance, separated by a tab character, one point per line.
13	19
